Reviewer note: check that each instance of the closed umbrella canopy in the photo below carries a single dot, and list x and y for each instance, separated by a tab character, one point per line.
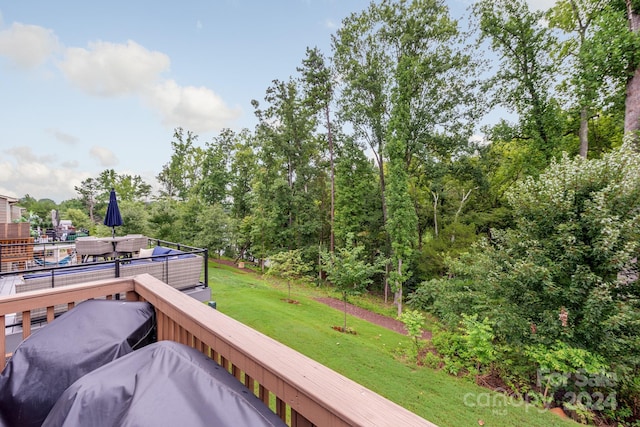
113	218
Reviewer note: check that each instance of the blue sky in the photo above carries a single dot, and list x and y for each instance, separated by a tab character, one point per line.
92	86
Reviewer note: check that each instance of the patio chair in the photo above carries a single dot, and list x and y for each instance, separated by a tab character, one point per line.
93	247
130	246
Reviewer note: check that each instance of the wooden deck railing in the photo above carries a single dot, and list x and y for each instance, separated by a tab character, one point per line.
301	391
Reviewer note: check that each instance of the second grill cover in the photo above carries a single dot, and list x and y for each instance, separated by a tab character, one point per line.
163	384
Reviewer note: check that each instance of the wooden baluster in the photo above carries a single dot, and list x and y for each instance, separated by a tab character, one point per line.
281	409
3	343
26	324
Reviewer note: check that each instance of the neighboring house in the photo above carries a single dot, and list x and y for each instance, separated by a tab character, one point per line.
9	210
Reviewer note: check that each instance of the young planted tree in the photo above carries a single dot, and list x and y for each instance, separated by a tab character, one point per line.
348	272
413	322
290	266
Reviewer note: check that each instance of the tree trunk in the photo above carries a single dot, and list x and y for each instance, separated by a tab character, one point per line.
398	295
435	213
583	133
344	298
632	102
333	180
386	283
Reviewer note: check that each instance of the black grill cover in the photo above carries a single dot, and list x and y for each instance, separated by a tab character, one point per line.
53	357
163	384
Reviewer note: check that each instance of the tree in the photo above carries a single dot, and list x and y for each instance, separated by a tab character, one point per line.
405	76
348	272
577	17
358	210
88	191
216	159
78	218
632	103
290	266
214	231
241	175
291	174
184	170
523	81
567	271
136	217
402	223
317	78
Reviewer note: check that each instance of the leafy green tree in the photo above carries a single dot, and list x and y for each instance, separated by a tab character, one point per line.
292	174
242	172
566	271
349	272
413	322
357	205
601	54
214	231
402	223
406	81
88	191
632	111
319	87
213	186
522	83
78	218
163	219
184	170
135	218
290	266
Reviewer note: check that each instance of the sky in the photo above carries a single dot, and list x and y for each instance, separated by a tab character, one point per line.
89	86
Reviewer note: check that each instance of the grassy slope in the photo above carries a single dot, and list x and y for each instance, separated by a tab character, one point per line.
370	357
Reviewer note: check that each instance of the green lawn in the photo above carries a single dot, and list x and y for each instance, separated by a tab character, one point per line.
373	357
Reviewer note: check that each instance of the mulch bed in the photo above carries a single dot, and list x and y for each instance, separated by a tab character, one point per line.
369	316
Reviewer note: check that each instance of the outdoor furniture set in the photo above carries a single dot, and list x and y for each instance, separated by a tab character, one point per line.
110	247
179	269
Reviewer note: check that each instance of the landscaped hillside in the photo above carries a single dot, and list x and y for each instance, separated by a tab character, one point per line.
374	357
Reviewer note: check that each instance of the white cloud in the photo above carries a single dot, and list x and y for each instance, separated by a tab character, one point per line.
63	137
104	156
195	108
28	46
22	173
108	69
26	155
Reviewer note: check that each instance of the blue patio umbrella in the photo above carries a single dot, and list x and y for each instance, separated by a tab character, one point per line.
113	218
